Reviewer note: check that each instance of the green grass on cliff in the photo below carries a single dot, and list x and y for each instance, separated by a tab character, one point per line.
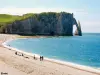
6	18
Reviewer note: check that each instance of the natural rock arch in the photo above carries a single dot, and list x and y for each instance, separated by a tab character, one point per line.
78	27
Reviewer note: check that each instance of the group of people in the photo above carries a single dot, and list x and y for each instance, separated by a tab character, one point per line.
4	73
41	58
21	54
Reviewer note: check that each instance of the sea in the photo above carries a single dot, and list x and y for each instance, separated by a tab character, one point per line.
82	50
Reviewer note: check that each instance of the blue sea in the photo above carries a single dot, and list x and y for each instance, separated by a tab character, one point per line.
83	50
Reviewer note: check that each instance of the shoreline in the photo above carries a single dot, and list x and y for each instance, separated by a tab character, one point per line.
68	64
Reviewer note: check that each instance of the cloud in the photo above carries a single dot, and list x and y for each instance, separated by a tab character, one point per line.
90	26
19	11
91	23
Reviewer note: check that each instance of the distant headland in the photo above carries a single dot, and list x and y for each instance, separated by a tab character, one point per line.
46	23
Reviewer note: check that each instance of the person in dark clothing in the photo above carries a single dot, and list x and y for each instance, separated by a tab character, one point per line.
16	53
22	54
34	57
42	58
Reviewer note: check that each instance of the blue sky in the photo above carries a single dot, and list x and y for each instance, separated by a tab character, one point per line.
86	11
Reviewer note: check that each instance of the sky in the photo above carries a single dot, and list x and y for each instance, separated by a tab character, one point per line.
86	11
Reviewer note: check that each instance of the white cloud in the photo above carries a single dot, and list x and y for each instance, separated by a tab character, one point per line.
90	26
91	23
19	11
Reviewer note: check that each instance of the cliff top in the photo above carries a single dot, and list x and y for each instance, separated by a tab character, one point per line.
6	18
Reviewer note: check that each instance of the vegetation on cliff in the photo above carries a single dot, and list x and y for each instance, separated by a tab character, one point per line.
6	19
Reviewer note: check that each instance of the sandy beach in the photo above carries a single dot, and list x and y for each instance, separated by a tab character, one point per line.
19	65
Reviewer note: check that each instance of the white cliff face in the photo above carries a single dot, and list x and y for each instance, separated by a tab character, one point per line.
46	24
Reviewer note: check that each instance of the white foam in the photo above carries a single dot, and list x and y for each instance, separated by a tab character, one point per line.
74	65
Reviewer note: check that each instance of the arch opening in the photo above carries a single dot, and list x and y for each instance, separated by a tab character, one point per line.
74	29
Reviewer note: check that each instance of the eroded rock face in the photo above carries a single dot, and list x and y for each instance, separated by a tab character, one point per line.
78	26
45	24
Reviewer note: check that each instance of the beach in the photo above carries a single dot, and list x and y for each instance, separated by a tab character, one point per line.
19	65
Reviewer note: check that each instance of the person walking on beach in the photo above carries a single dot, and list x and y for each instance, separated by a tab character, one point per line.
34	57
16	53
22	54
42	58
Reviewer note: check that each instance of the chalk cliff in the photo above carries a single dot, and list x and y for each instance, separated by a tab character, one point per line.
78	30
50	23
